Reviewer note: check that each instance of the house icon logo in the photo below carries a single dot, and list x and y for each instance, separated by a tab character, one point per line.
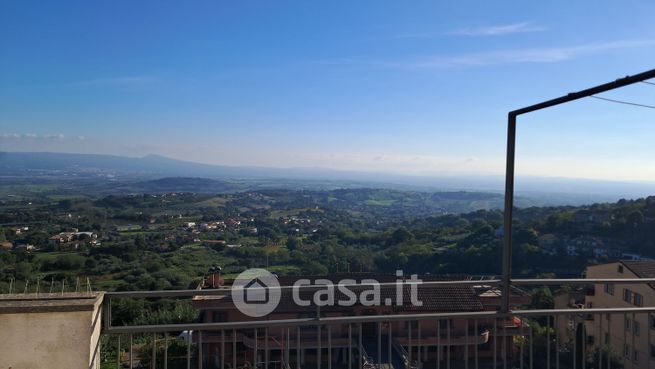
256	292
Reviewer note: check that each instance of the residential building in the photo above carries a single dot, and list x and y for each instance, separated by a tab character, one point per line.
426	341
628	335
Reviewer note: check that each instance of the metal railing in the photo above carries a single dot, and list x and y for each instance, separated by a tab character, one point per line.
617	337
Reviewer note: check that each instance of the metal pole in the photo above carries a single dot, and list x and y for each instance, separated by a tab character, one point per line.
200	350
361	348
154	351
509	207
118	353
329	338
319	347
131	361
466	345
477	334
379	344
409	344
266	356
350	346
389	345
165	350
188	350
439	344
548	342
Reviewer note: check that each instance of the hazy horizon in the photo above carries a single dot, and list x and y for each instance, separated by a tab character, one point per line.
593	190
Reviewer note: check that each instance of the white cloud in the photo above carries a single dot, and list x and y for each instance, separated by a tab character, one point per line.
499	57
34	137
499	30
533	55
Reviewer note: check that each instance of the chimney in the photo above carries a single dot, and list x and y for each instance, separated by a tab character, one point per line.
215	280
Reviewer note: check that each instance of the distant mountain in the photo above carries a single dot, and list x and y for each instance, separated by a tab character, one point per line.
540	190
35	163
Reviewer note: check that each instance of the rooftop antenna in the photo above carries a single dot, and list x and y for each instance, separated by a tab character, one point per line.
88	286
11	284
27	281
77	284
63	284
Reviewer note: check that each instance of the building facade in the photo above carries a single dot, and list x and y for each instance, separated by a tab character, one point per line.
627	336
414	341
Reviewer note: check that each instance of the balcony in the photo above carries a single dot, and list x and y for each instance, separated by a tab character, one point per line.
527	338
522	337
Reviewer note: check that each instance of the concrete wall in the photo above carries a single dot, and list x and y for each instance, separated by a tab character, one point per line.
47	334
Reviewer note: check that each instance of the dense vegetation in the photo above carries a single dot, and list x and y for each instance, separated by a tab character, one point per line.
305	232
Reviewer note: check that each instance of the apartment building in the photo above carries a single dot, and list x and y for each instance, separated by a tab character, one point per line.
446	340
628	336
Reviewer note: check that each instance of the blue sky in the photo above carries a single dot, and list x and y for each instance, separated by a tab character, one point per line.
415	87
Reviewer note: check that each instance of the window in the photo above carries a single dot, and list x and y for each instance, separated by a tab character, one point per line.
628	324
651	319
626	350
639	300
620	269
609	288
652	351
636	329
635	356
627	295
607	338
219	316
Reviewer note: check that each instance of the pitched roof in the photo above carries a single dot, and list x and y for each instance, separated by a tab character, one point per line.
642	268
433	298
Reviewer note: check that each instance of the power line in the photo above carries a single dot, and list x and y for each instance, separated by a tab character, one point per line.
648	83
623	102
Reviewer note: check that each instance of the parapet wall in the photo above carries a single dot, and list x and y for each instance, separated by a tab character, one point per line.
49	332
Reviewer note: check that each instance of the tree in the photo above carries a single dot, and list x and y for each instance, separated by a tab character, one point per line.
140	241
292	243
400	235
23	270
542	298
635	218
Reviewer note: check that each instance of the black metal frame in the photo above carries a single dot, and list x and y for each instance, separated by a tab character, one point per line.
509	172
